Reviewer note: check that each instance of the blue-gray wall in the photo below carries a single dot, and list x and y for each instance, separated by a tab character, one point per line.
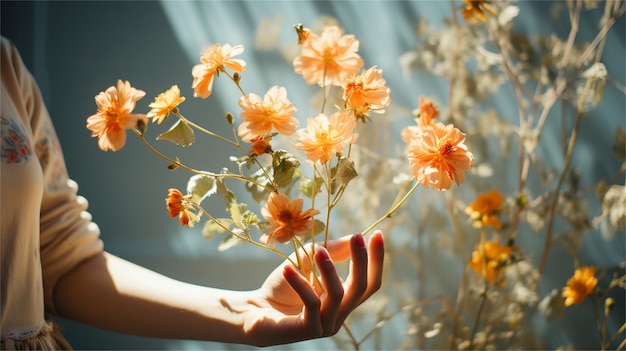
76	49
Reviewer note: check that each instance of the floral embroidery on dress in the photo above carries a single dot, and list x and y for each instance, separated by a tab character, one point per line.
15	143
49	153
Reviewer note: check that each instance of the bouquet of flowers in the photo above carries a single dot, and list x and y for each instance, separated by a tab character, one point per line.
334	163
436	152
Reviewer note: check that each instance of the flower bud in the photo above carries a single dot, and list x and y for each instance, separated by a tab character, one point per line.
141	125
236	77
229	118
521	201
608	304
303	33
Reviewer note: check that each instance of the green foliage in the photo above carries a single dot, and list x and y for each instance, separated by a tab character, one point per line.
180	134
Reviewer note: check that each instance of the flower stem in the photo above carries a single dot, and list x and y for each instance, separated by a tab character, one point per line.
296	252
179	164
236	82
266	247
206	131
484	292
353	340
329	186
392	210
477	320
564	169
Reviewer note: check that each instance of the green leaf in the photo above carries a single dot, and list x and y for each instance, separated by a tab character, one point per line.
318	227
310	188
249	218
346	171
243	161
343	172
221	187
213	227
284	165
258	193
201	186
179	134
236	213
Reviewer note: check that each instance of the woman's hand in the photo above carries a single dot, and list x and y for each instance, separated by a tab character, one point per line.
287	308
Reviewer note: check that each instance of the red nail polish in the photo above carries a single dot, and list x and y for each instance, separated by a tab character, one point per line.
359	240
322	253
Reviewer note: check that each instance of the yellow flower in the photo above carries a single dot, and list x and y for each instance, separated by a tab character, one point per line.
114	115
275	111
366	92
324	137
215	59
329	58
286	218
477	8
164	104
580	285
438	156
489	259
484	210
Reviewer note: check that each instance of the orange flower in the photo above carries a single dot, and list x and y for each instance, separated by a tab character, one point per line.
303	33
477	8
164	104
489	259
580	285
427	112
408	133
215	59
484	210
438	156
261	145
114	115
260	116
178	205
328	59
325	136
366	92
286	218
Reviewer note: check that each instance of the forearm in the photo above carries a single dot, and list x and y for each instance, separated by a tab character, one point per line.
111	293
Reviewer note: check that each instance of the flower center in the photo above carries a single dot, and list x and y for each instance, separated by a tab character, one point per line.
446	150
285	217
328	55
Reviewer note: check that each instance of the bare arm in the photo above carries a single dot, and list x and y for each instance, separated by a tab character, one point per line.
111	293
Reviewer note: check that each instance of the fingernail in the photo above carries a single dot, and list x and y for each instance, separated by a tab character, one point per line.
322	253
359	240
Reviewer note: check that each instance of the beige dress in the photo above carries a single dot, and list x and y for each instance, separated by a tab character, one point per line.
44	229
